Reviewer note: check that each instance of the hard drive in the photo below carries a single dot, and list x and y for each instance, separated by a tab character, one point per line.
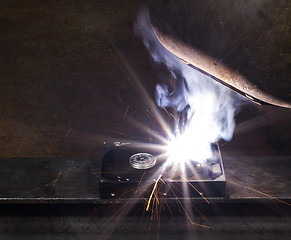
131	172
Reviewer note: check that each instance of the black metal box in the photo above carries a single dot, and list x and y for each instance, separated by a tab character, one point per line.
130	172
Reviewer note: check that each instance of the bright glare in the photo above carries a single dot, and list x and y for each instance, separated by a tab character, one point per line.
210	114
184	148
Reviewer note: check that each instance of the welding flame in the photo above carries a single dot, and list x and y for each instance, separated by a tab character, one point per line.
210	105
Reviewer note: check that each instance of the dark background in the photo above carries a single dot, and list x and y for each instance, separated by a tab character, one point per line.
65	86
60	73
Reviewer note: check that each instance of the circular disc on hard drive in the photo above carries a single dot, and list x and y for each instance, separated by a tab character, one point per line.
142	161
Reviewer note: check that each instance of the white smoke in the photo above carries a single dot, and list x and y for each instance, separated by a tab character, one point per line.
211	112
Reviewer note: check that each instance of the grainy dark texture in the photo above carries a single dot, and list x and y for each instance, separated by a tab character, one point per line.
87	222
64	88
62	83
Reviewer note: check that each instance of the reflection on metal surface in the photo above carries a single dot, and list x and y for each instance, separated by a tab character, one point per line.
251	58
142	161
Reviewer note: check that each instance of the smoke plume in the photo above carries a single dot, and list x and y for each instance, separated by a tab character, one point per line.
209	104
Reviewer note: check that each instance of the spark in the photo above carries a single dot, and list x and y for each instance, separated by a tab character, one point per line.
139	182
167	112
156	197
55	182
184	210
201	118
172	81
118	218
265	194
159	222
125	113
137	83
119	133
154	188
143	128
67	135
172	116
200	212
148	112
201	194
121	84
168	207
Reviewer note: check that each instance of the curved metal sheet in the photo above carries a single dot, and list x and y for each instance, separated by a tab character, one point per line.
244	44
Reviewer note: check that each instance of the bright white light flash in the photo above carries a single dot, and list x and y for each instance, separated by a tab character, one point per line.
211	105
184	148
